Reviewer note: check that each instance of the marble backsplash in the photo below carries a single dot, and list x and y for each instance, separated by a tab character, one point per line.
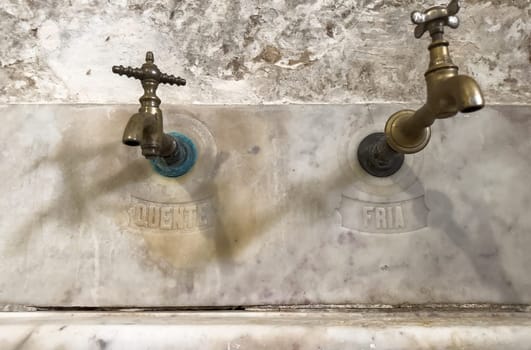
276	211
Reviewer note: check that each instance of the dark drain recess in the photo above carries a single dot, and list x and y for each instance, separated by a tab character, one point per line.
377	158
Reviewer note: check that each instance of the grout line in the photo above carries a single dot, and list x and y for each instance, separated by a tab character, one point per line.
373	308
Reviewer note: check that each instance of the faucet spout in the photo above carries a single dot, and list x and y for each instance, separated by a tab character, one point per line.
447	94
134	130
408	131
466	94
145	130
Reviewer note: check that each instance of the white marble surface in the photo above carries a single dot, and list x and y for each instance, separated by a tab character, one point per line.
265	330
254	51
275	212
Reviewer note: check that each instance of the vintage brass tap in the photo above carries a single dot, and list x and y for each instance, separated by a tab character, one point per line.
171	154
408	131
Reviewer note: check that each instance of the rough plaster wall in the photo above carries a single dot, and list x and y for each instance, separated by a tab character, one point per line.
253	51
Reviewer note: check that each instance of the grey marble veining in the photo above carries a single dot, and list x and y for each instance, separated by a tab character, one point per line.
250	52
276	211
264	330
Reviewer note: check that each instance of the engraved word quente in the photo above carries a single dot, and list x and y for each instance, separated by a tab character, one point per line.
176	217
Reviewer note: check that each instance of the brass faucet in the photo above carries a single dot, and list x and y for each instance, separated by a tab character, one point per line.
448	93
145	128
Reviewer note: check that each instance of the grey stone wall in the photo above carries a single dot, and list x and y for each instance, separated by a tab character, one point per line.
252	51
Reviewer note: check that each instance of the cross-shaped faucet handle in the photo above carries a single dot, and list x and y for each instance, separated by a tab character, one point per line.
149	71
444	15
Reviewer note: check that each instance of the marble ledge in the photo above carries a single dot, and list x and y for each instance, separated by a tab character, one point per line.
260	331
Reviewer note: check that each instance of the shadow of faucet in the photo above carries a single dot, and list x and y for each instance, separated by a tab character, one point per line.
482	253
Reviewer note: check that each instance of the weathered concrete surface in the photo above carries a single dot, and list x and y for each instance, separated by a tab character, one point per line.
318	51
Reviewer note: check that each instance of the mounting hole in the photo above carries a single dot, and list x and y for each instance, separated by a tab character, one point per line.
183	166
373	167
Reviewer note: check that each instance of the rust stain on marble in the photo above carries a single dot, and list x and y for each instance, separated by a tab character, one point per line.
228	220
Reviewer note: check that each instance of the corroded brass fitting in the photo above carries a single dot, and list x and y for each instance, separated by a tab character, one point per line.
448	93
145	128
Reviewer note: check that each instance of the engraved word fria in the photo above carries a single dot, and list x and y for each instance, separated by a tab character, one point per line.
383	218
177	217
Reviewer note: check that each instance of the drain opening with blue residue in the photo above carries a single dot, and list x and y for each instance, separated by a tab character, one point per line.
186	158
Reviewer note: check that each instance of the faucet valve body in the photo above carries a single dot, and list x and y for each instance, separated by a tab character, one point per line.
169	153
